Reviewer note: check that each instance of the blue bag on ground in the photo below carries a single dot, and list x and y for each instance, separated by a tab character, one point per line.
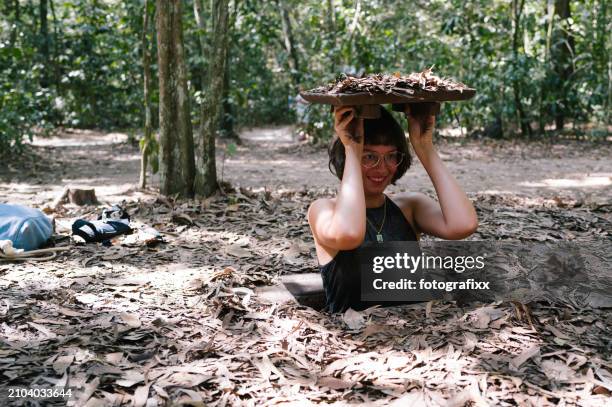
114	221
27	228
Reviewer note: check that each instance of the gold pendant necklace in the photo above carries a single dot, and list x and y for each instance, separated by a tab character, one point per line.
379	236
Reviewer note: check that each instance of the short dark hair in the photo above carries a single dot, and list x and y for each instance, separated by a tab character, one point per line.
384	130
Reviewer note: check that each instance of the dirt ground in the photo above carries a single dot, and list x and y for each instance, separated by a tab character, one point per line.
531	170
269	158
178	322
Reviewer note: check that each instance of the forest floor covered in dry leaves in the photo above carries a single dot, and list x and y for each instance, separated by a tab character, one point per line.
179	323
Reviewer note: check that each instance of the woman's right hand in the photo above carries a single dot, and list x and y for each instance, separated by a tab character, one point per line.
348	126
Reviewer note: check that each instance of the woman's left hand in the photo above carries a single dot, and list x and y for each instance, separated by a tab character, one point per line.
421	124
453	216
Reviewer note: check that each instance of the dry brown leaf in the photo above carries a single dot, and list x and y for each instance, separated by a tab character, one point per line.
557	370
195	398
373	329
353	319
470	341
71	313
415	398
182	219
336	365
49	321
523	331
62	363
524	356
87	298
130	378
141	395
481	317
88	390
131	320
237	251
556	332
185	379
264	365
42	329
130	281
605	376
114	358
334	383
601	390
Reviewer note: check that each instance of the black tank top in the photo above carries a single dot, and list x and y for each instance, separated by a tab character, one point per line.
341	284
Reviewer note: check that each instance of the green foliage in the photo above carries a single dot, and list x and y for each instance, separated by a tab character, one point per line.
318	123
231	149
91	75
469	40
90	78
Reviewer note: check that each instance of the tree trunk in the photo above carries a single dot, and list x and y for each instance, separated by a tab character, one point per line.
57	77
331	33
602	51
227	113
523	121
550	8
175	131
146	68
289	42
226	117
206	171
351	31
562	54
199	17
44	41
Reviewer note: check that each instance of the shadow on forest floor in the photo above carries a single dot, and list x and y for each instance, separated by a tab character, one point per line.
180	320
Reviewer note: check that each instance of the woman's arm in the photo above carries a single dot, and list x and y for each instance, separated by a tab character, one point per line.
340	224
454	217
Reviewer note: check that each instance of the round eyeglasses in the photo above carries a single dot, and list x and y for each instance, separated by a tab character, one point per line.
371	159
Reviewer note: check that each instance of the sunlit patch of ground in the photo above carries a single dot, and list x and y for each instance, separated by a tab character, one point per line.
588	181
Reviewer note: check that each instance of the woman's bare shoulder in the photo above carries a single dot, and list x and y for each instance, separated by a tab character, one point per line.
407	200
319	205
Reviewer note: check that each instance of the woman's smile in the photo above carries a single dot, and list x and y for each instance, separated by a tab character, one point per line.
377	179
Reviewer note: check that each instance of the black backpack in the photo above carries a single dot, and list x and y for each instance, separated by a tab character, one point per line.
114	221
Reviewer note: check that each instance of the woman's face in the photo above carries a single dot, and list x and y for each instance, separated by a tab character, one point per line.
377	177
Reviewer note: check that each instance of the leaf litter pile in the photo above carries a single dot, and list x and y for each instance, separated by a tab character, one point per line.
178	322
396	83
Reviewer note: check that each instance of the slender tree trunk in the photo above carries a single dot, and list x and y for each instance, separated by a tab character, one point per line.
602	51
523	121
227	113
44	41
57	78
289	42
199	17
206	171
542	113
146	68
331	33
175	131
562	55
352	29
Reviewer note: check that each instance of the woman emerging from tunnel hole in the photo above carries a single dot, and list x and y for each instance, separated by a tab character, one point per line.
367	155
